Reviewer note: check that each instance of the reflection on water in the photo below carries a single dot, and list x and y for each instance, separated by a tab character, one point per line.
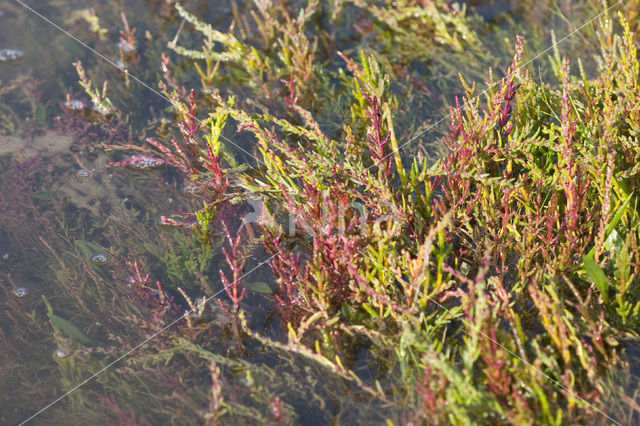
87	271
7	55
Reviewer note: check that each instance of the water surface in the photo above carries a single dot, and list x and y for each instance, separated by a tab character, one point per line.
73	231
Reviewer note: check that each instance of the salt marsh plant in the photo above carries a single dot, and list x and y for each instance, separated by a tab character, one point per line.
494	284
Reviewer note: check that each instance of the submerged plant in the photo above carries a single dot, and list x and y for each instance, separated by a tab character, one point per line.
494	285
438	266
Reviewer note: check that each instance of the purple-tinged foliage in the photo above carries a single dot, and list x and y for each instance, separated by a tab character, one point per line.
377	142
235	260
498	284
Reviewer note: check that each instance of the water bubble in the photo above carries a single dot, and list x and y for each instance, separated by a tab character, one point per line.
193	189
62	353
246	380
101	109
74	105
20	292
7	55
126	46
99	258
144	162
83	174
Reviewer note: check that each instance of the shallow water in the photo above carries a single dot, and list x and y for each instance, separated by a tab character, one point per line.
72	227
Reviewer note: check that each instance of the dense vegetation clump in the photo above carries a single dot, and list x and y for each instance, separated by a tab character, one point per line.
492	278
